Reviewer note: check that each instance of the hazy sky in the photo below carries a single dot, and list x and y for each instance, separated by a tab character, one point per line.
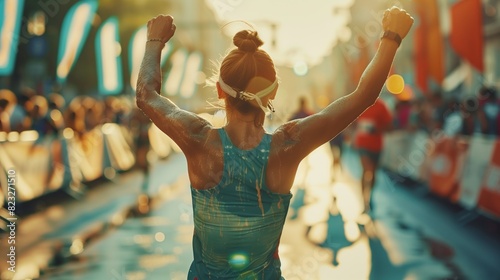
306	30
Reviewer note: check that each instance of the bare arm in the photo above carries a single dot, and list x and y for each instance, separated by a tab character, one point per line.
309	133
185	128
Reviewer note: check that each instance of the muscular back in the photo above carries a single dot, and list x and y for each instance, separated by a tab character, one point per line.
206	166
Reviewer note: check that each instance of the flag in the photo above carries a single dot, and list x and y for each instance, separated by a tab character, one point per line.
466	35
74	32
428	45
11	12
108	56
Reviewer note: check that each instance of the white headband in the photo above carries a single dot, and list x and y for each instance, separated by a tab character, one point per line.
248	96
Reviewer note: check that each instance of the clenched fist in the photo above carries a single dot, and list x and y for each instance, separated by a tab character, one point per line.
161	28
397	20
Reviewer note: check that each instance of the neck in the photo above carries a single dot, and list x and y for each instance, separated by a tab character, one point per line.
245	131
255	119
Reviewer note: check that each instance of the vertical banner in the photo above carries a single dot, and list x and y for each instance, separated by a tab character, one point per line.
137	48
74	32
428	45
174	78
476	164
10	24
193	67
489	198
467	35
108	56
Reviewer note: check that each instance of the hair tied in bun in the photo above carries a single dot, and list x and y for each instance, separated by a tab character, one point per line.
247	41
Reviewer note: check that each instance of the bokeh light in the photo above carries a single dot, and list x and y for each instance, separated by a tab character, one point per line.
395	84
300	68
406	94
160	237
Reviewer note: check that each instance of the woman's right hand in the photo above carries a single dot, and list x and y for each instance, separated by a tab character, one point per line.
397	20
161	28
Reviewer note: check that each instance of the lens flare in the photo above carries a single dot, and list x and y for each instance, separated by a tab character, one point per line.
239	260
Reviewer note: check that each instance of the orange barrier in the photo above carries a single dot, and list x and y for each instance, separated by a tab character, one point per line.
489	198
446	161
465	170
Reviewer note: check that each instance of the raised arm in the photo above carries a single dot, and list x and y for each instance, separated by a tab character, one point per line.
307	134
185	128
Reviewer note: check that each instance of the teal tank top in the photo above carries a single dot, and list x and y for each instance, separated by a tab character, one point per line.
238	223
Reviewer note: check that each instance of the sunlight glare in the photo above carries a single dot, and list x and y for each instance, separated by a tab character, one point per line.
307	29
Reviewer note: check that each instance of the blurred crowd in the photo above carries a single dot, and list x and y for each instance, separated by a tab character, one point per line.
49	115
475	114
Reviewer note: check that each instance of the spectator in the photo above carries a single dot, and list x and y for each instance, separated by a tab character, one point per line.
93	112
11	114
470	116
56	106
420	116
438	109
336	145
402	113
489	111
74	117
453	122
4	116
38	112
403	108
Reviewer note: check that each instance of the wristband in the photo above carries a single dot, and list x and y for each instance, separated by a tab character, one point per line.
392	36
155	40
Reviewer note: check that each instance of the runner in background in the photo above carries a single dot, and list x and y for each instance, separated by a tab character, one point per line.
304	167
303	110
336	145
370	127
140	125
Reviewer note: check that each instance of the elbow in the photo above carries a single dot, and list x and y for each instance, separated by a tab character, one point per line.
142	93
139	102
139	99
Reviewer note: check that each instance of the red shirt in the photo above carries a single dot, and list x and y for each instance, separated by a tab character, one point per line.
370	126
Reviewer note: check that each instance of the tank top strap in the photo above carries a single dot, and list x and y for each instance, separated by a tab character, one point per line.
226	142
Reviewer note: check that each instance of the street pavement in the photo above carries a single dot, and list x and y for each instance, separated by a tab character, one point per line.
411	235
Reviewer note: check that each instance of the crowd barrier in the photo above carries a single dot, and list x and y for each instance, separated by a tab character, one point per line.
44	165
465	170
